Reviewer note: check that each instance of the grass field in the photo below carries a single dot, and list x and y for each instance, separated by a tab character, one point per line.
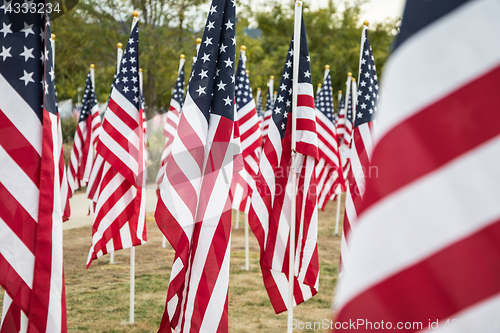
98	298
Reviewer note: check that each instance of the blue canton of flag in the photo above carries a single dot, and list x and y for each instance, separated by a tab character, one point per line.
243	89
325	99
283	104
366	108
89	100
178	95
212	78
127	79
23	54
260	112
349	106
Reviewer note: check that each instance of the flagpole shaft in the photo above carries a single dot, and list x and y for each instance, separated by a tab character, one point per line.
295	75
164	242
119	54
92	76
132	283
247	259
53	45
337	218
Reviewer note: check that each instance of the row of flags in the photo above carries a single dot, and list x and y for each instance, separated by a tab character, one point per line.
219	138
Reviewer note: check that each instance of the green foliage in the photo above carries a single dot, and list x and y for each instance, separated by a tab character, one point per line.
89	34
68	126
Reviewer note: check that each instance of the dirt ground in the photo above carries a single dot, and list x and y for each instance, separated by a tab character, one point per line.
98	298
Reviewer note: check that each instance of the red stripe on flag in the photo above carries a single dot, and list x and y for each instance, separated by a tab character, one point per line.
19	149
40	294
431	296
19	291
17	219
417	150
122	115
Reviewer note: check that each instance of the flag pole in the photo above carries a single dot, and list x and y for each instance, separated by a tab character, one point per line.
247	255
132	249
53	45
354	102
92	75
270	85
198	43
119	54
295	75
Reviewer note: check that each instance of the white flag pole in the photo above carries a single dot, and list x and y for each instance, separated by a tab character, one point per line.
132	249
354	102
270	85
295	75
119	54
92	75
53	45
198	43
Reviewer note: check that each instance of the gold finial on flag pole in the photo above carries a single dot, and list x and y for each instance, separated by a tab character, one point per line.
198	41
366	23
135	13
243	48
327	66
92	66
183	56
119	45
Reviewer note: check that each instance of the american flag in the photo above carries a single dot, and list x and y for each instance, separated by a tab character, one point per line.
31	246
87	131
120	216
270	211
426	246
268	110
362	145
250	136
328	170
194	205
170	129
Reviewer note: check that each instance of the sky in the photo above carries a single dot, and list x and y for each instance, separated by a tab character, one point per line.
374	11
